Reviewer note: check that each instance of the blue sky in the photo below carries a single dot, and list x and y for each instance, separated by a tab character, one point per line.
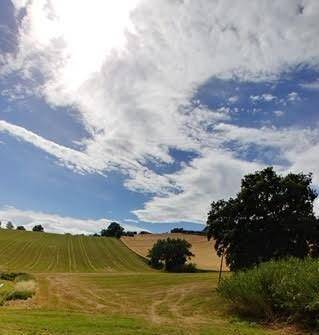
148	111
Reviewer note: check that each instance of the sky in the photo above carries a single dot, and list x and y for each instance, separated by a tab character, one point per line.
145	111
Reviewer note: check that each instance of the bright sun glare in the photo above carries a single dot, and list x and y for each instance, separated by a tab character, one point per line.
83	31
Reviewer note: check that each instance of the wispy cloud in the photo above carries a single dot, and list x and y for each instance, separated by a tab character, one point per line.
314	85
134	93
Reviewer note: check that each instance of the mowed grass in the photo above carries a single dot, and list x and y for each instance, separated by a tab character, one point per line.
97	286
205	254
41	252
126	303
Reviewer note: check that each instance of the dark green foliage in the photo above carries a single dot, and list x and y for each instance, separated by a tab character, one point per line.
19	295
20	228
189	268
144	232
9	225
186	231
171	254
286	288
22	288
11	276
113	230
130	233
271	217
15	276
38	228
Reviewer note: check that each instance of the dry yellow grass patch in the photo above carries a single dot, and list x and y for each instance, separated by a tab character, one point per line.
26	286
205	254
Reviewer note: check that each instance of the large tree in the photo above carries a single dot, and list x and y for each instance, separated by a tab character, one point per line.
113	230
171	254
9	225
270	218
38	228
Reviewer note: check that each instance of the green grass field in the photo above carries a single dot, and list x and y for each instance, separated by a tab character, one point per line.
41	252
98	286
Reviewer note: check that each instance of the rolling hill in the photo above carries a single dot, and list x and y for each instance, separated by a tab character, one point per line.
205	254
43	252
98	286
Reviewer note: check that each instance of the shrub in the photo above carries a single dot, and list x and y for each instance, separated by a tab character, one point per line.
11	276
17	286
23	277
189	268
23	290
286	288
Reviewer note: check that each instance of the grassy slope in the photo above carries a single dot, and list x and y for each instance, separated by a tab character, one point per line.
107	289
41	252
205	255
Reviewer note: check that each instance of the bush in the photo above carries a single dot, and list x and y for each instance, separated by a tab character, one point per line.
189	268
18	286
287	289
10	276
23	290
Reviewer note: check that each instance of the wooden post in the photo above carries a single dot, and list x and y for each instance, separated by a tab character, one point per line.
221	268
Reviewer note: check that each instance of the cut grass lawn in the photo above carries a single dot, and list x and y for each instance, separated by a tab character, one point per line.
126	303
118	295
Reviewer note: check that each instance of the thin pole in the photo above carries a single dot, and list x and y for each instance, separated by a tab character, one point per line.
221	268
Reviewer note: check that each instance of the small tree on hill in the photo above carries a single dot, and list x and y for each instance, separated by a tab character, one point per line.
38	228
9	225
113	230
20	228
171	254
271	217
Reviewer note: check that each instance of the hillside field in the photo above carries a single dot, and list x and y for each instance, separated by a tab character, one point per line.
205	254
42	252
97	286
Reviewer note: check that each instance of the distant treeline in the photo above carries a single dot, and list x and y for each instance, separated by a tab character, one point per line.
190	232
133	233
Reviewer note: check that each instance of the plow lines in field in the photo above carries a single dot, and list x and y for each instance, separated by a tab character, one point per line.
42	252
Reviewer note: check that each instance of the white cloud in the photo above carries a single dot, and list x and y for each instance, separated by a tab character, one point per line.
214	176
131	70
264	97
279	113
312	85
233	99
54	223
217	174
293	96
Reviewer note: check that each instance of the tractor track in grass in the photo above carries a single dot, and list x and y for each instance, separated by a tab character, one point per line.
91	276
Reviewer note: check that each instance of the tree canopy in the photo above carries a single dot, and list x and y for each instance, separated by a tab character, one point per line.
270	218
20	228
9	225
113	230
171	254
38	228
